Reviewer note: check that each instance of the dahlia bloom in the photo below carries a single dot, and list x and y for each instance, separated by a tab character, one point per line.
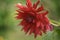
34	19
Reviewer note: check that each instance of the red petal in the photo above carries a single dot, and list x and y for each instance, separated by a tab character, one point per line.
35	4
46	20
37	23
31	30
45	13
41	26
44	31
22	8
36	32
51	27
23	23
40	33
19	16
29	4
40	8
26	28
47	27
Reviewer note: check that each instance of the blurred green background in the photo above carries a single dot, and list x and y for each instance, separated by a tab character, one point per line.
9	29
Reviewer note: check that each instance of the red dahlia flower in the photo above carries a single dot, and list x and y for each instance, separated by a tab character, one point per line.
34	19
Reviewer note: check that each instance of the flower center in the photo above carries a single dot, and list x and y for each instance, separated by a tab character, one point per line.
29	19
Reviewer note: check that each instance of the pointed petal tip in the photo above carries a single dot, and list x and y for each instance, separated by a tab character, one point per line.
36	4
29	3
18	5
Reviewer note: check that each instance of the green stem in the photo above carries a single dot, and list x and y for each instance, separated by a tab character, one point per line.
55	23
